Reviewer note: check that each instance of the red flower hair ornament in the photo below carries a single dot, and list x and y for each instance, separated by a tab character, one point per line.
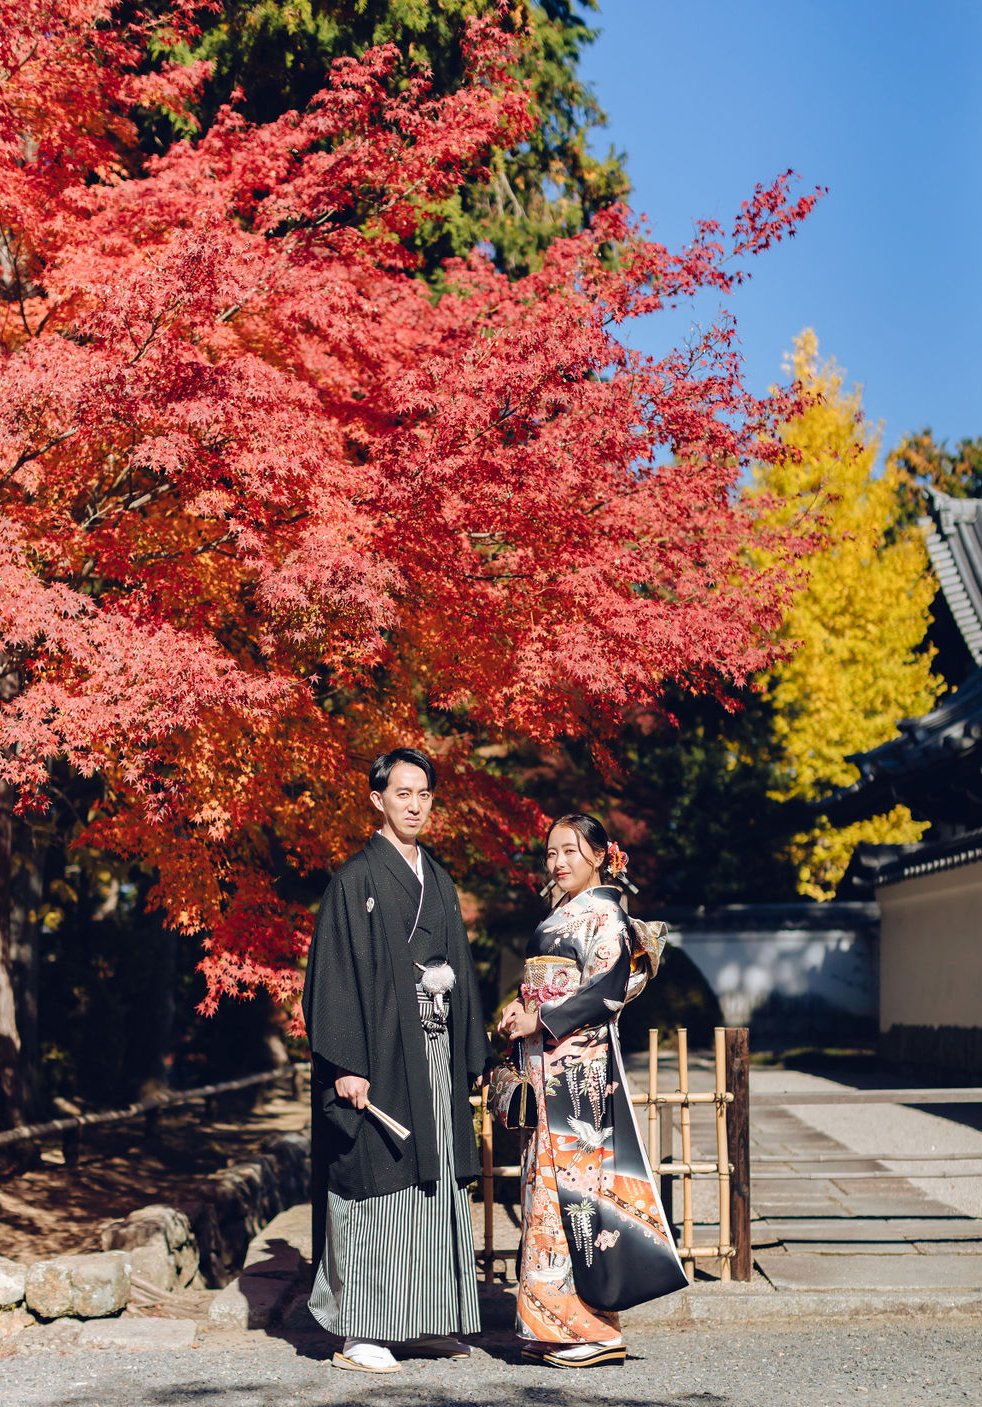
616	859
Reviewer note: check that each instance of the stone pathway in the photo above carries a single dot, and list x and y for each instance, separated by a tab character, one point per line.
830	1231
878	1232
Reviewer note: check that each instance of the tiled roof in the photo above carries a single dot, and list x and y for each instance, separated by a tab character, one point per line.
882	865
953	534
934	766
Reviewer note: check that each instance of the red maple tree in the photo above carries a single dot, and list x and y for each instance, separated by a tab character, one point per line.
271	505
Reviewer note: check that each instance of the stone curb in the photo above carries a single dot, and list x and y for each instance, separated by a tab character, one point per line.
742	1305
738	1305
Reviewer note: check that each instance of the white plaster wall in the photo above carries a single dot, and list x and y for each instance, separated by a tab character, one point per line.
931	950
746	967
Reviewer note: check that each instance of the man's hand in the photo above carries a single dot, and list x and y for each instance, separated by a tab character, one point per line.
507	1016
516	1021
353	1088
524	1024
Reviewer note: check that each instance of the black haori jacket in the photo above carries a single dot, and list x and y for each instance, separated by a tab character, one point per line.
362	1015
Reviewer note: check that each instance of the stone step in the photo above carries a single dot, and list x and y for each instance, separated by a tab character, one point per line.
833	1230
913	1273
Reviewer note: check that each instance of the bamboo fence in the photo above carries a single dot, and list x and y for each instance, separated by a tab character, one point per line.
728	1100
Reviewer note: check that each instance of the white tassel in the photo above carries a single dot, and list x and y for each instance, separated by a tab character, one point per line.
438	979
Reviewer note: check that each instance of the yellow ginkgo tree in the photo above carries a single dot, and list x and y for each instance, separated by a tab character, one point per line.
857	625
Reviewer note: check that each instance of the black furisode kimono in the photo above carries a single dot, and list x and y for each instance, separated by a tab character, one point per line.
594	1235
391	1217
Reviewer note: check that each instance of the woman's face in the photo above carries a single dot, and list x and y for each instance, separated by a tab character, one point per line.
570	861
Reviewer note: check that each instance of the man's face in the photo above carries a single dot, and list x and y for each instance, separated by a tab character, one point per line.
406	802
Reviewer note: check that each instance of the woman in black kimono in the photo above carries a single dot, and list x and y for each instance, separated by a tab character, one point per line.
594	1236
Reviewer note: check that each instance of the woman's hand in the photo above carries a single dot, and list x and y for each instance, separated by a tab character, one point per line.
517	1022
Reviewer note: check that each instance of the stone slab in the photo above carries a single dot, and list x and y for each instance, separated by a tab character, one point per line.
250	1302
951	1247
851	1248
133	1333
894	1206
910	1274
950	1230
57	1333
830	1166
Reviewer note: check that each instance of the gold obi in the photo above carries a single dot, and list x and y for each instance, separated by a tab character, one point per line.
547	979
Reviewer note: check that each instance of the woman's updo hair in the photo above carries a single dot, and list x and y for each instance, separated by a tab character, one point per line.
590	829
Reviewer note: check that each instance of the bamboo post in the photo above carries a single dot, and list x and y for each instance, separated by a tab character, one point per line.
487	1186
722	1149
686	1126
652	1092
666	1154
737	1040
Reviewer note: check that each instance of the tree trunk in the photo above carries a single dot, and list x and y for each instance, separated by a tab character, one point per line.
30	849
12	1100
12	1093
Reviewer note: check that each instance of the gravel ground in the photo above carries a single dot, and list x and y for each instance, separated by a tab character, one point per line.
891	1363
889	1131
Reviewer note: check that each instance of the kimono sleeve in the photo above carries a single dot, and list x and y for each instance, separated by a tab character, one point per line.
600	996
476	1046
334	1006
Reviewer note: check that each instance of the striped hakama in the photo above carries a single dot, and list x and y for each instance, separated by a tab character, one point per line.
402	1265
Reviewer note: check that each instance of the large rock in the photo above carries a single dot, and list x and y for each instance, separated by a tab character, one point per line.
217	1262
161	1245
85	1286
245	1197
291	1154
12	1277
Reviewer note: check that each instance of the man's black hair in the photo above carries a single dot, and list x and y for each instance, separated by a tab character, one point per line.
381	769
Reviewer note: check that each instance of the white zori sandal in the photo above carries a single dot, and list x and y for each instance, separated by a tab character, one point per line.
587	1355
362	1357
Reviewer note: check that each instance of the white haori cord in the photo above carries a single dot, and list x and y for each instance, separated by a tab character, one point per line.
437	980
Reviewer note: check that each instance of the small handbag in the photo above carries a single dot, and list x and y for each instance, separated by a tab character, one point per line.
511	1098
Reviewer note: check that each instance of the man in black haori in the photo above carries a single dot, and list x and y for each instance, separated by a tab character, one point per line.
397	1038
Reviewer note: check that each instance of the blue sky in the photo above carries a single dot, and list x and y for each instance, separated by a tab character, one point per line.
881	101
